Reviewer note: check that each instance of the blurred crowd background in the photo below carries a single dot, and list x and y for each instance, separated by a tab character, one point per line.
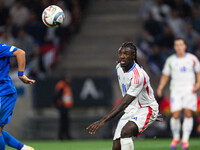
163	21
86	45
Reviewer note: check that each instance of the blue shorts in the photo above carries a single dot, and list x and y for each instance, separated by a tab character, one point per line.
7	103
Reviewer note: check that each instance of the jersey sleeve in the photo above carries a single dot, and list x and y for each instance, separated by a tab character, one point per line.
7	51
167	67
196	64
136	86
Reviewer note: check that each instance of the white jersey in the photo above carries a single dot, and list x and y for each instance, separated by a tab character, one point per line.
135	82
182	71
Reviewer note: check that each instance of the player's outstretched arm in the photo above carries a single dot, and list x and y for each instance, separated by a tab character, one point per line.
163	81
197	85
114	112
21	61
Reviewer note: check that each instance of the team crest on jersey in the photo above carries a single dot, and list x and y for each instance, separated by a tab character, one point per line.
134	118
183	69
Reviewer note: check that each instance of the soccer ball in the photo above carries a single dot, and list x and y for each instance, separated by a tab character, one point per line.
53	16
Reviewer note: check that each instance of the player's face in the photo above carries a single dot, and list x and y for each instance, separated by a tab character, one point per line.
126	57
179	47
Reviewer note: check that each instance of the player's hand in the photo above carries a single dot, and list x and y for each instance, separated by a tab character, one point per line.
159	92
26	80
195	88
159	118
95	126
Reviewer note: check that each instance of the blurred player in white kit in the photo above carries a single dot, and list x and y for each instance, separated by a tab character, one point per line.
182	68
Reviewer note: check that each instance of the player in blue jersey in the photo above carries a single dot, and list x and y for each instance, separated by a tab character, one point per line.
8	94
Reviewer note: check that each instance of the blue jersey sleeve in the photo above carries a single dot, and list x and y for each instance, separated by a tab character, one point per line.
6	51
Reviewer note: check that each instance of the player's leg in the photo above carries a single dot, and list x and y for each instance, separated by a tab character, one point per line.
2	142
175	123
116	139
189	105
116	145
132	124
128	131
6	110
187	128
11	141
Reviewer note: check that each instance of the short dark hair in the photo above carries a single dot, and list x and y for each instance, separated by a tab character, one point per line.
179	38
132	46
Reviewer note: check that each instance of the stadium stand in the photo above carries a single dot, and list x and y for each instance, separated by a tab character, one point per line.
87	44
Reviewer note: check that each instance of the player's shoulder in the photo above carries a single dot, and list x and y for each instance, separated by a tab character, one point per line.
2	44
118	66
138	72
192	56
171	57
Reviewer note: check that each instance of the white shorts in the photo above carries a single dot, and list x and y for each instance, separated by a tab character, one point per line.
143	117
183	99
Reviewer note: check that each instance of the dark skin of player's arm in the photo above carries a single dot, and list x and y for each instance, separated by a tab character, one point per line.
114	112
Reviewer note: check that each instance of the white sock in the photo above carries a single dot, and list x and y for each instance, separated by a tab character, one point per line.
126	144
187	128
175	128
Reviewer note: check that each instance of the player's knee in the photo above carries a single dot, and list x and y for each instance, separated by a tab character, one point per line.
125	133
176	115
129	131
188	115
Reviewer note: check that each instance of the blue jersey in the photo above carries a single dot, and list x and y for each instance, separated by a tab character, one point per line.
6	84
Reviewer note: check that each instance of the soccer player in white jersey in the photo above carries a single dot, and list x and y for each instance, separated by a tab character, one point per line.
139	105
181	67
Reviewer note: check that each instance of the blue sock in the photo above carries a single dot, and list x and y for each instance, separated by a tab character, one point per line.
2	143
11	141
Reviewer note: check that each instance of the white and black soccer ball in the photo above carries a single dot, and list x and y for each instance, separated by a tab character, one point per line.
53	16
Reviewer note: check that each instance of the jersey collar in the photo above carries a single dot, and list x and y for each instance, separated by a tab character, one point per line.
134	64
182	57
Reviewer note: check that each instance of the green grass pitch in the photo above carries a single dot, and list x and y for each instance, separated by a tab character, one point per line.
146	144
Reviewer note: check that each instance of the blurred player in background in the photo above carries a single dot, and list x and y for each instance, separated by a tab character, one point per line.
64	101
8	93
181	67
138	103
